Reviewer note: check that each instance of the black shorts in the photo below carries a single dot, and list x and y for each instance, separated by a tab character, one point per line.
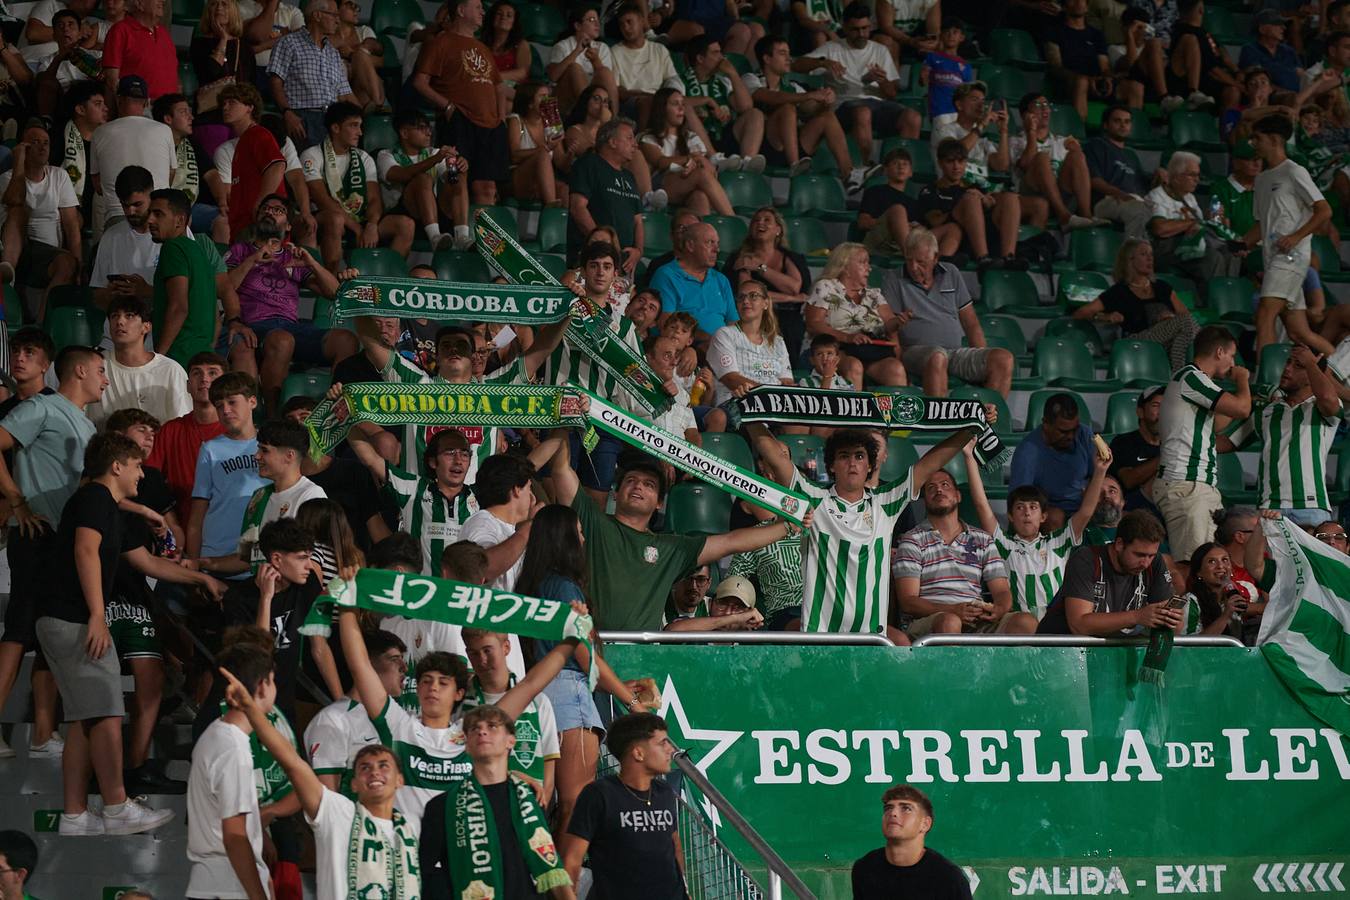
486	149
885	114
868	353
29	583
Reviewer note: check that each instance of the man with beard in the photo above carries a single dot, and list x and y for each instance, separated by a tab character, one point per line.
1135	455
1057	458
1101	529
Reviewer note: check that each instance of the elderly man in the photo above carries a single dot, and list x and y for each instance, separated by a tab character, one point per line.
130	139
1179	239
937	312
602	192
692	283
141	45
1057	458
1270	52
1119	179
307	74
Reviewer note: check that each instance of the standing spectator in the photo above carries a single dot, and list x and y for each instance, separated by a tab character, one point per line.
944	70
641	67
905	867
336	735
1135	454
1215	603
1295	426
307	76
982	219
127	256
750	351
194	171
1270	52
141	46
1186	490
866	82
502	525
1197	66
688	169
130	139
1119	181
1179	237
1234	528
281	445
138	378
1077	57
226	474
626	822
41	220
845	305
776	569
601	192
185	281
88	112
581	59
1136	303
1050	165
257	164
939	314
180	439
456	76
1057	458
416	181
691	283
713	89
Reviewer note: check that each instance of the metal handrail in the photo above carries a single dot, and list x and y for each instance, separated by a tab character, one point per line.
779	873
743	637
1066	640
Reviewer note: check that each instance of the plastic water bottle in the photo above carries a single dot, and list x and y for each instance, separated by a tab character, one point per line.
1286	258
1215	209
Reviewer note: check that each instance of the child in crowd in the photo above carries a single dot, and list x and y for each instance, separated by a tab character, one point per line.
825	366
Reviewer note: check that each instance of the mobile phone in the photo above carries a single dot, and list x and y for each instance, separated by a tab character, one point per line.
1177	603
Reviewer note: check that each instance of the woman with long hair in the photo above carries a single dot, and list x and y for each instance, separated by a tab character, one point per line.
1144	306
554	568
580	58
594	108
842	304
1216	601
219	57
363	55
765	252
504	35
749	352
533	153
675	151
334	551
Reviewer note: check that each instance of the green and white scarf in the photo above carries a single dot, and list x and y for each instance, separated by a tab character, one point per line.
348	190
87	64
439	403
73	157
589	331
861	409
451	301
376	870
253	522
527	755
474	851
185	175
454	603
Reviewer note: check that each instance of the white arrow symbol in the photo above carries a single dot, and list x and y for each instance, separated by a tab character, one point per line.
973	877
1303	877
1320	877
1336	876
1259	878
1275	877
1289	872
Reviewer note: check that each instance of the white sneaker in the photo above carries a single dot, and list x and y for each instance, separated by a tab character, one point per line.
463	240
726	163
858	177
800	167
6	751
86	823
1171	104
656	200
134	818
443	242
754	164
1076	222
1198	100
51	749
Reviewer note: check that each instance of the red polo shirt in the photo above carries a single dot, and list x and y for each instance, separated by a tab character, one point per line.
133	49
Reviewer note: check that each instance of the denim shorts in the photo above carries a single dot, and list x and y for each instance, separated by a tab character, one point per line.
308	338
573	705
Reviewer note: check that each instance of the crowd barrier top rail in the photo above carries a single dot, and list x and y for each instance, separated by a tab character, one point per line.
802	638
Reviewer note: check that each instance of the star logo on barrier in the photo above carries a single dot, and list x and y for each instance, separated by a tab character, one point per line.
673	709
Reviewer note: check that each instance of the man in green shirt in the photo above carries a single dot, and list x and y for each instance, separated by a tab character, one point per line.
184	317
18	859
604	193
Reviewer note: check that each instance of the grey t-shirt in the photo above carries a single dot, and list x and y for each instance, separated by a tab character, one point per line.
51	433
1109	590
934	321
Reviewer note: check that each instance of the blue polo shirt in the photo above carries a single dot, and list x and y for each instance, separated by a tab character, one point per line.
1063	475
1283	64
710	301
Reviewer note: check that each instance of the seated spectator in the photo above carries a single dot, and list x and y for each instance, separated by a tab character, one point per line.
1180	240
688	599
594	108
306	75
88	112
75	57
1255	103
714	91
765	253
641	67
1215	603
137	378
1146	308
973	118
844	305
338	173
41	219
194	172
268	271
691	283
824	372
687	170
264	24
909	25
184	318
939	314
1078	63
750	351
1050	165
220	56
798	120
944	566
1117	590
866	82
257	165
944	70
363	55
602	192
1146	32
1119	180
130	139
141	46
1197	66
812	23
1270	52
1135	454
887	211
577	61
502	525
716	19
661	353
986	222
732	608
1057	458
535	155
416	181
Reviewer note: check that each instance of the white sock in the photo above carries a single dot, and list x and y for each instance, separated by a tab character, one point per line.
462	231
433	232
115	809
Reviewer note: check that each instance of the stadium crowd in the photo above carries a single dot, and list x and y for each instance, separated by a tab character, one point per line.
173	251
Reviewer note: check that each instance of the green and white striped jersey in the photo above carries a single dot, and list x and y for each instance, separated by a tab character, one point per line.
567	365
846	555
427	514
1293	460
816	380
1036	568
1186	424
482	441
779	570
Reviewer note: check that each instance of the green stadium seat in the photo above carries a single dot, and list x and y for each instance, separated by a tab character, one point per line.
655	234
1143	135
1232	299
806	448
74	326
1196	130
1067	362
542	23
1079	329
458	265
187	79
1004	82
821	196
312	384
13	308
1004	425
693	507
730	446
1138	364
1271	364
69	295
551	235
900	458
1014	47
741	63
1064	119
1121	416
554	264
1080	288
1014	294
1094	249
378	261
1005	332
747	191
504	216
1219	22
1329	259
1036	407
377	133
1232	482
394	16
731	232
807	236
187	12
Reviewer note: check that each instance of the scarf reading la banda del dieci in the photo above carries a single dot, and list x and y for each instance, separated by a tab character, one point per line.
450	301
863	409
350	189
473	850
377	869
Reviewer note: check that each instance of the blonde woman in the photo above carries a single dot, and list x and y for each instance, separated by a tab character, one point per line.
750	351
1145	307
219	56
842	305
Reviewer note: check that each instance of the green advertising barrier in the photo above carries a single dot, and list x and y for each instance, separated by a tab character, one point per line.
1051	770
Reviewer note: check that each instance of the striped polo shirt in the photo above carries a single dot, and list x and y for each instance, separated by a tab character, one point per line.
948	573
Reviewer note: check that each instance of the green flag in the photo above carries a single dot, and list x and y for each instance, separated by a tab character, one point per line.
451	301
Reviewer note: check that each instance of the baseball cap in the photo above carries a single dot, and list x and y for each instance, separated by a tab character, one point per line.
737	586
1150	392
133	86
1268	17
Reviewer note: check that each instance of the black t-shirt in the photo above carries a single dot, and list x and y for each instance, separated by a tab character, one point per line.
1139	313
517	883
937	198
1117	166
128	584
1089	575
881	197
1130	450
933	877
348	484
1079	48
92	506
632	848
290	605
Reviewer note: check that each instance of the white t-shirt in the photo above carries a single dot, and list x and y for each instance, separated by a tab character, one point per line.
336	734
486	530
670	144
1054	144
432	758
392	193
159	387
1163	205
1283	199
224	158
41	12
45	199
567	45
679	418
220	786
311	163
646	69
287	18
731	350
131	141
280	505
124	251
332	833
856	63
67	73
977	156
